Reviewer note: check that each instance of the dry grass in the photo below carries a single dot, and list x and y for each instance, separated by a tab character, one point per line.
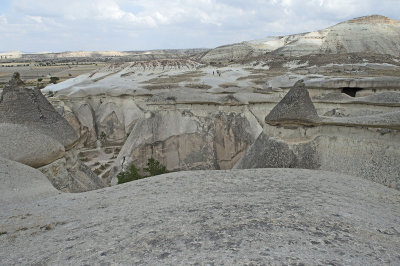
228	85
32	73
198	86
161	86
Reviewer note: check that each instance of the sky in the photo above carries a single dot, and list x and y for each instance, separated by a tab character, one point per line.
129	25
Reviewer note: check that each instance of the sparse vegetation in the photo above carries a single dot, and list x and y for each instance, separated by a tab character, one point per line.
198	86
131	175
84	159
103	136
97	171
154	168
54	80
108	150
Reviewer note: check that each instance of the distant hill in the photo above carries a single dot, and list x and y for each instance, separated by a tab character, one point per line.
370	34
128	55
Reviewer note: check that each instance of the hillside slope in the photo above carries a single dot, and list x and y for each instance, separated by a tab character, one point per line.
369	34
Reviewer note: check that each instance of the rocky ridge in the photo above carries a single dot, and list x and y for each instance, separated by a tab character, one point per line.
370	34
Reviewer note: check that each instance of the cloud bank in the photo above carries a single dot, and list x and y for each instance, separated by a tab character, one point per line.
62	25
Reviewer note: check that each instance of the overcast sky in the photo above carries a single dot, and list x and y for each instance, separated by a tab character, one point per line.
97	25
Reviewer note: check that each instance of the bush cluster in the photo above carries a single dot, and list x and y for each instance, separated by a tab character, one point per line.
153	168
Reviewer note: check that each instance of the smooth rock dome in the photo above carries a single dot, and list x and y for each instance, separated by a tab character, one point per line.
236	217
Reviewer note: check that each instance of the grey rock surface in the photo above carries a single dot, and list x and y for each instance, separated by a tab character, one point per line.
20	184
69	174
237	217
34	133
387	98
371	153
384	120
28	146
22	105
295	107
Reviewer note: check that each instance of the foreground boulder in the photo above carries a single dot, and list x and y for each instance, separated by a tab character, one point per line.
28	146
21	184
236	217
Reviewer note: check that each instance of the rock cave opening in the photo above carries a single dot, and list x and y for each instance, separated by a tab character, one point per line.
351	91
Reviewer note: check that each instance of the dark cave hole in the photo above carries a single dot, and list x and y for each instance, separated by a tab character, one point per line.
351	91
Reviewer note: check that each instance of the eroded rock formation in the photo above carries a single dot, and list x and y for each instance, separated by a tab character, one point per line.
365	146
33	133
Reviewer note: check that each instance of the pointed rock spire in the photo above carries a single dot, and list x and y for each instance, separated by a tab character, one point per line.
295	108
16	81
26	106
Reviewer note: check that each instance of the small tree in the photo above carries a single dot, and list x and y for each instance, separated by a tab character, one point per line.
131	175
154	167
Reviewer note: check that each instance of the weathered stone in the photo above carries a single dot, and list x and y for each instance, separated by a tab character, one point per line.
295	107
237	217
20	184
68	174
39	135
371	153
28	146
21	105
183	141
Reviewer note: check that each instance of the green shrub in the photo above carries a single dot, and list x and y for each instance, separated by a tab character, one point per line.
131	175
54	80
154	167
103	136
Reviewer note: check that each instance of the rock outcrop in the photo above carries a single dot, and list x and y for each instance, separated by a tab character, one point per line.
21	105
20	183
295	107
235	217
28	146
33	133
364	146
